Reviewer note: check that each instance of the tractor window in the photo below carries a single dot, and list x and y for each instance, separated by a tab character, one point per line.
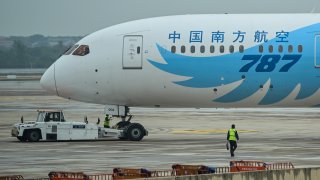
48	117
51	116
62	117
56	116
81	50
41	117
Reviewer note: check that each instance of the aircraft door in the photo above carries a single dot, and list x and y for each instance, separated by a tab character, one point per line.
317	51
132	52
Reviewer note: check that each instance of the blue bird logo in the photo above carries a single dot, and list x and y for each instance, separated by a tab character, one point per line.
285	69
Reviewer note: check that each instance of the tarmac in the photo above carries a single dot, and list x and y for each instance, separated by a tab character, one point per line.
186	136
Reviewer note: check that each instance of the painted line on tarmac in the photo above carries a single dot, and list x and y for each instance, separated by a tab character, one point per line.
208	131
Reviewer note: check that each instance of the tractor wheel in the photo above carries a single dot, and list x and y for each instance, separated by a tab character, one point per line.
34	136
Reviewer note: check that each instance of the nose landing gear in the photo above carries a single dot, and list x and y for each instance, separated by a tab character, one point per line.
131	131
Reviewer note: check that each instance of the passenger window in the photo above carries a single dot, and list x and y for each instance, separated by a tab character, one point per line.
193	49
261	49
202	49
81	50
183	49
221	49
231	49
71	49
290	48
138	50
173	49
241	48
270	48
280	48
212	49
300	48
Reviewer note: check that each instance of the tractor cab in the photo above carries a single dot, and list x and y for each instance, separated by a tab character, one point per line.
50	116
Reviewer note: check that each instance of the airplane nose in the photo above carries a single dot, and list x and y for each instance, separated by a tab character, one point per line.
48	81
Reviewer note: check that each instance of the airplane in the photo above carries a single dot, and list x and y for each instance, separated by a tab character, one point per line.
194	61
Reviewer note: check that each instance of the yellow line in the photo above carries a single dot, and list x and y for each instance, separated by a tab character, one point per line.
208	131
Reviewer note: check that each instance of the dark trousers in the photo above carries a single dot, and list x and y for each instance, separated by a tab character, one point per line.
233	147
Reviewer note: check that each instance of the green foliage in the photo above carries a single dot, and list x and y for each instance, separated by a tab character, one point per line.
31	52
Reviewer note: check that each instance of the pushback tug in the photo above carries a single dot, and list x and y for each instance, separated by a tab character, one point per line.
52	126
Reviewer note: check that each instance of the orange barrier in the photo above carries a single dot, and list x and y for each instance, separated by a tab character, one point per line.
177	170
61	175
125	173
181	170
14	177
238	166
163	173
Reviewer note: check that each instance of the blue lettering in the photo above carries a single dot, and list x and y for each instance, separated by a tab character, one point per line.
260	36
217	36
195	36
174	36
240	36
267	63
282	36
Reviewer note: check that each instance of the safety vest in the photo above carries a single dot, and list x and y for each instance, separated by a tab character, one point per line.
232	135
106	122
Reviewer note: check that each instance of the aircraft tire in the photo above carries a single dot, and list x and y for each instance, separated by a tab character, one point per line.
135	132
34	135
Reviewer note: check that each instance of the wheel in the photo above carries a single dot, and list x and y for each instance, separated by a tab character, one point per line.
34	136
135	132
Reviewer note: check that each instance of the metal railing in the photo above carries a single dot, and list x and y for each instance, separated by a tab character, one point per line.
177	170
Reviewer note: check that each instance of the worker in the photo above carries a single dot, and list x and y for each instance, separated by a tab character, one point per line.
232	137
106	123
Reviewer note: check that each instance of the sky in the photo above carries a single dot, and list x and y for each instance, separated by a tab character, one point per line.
82	17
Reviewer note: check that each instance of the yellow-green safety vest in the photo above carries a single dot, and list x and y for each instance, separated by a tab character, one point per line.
232	135
106	122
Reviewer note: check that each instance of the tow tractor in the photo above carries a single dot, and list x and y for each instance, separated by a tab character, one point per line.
52	126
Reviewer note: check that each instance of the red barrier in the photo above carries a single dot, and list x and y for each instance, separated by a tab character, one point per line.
239	166
61	175
126	173
14	177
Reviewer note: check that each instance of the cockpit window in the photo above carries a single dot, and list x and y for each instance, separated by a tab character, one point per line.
82	50
71	49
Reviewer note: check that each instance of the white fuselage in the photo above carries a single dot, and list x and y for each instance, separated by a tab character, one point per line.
142	63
